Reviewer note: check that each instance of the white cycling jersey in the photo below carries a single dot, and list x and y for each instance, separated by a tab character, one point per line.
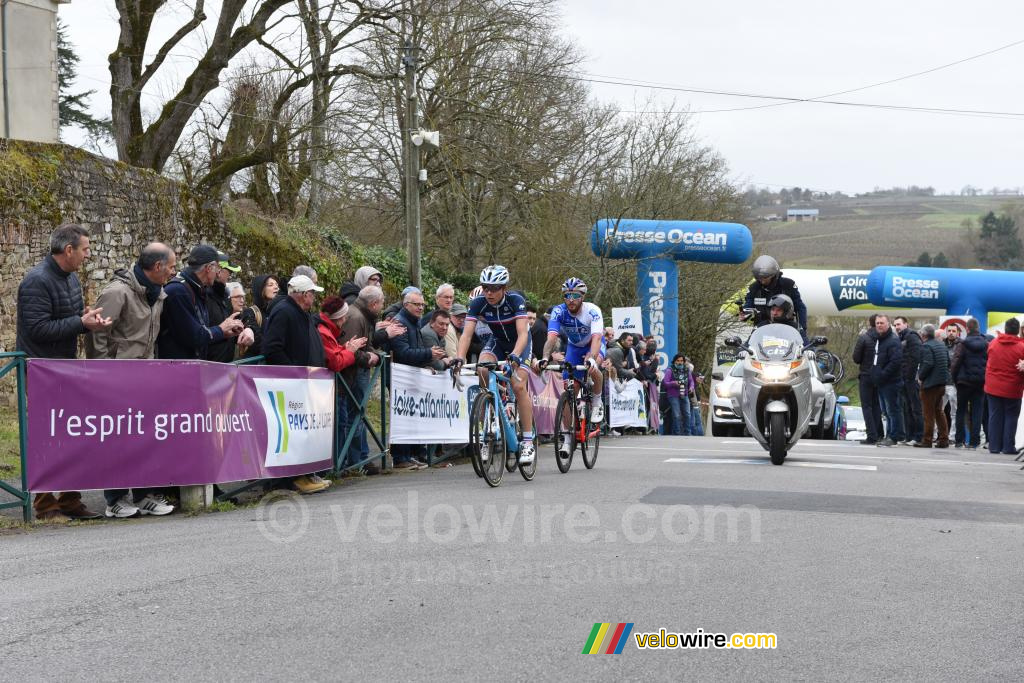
579	328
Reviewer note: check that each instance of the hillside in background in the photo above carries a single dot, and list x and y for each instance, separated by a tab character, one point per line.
865	232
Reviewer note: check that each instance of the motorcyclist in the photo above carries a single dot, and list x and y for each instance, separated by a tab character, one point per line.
780	311
768	282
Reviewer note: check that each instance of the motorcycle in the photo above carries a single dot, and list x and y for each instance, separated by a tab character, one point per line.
776	399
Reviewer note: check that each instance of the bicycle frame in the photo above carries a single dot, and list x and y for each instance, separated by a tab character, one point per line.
494	380
581	392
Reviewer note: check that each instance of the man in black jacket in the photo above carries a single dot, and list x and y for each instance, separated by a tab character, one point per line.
879	354
51	315
219	308
910	392
185	329
410	349
768	282
934	376
292	338
968	371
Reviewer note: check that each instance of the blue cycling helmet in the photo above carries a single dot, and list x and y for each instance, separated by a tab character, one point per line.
494	275
574	284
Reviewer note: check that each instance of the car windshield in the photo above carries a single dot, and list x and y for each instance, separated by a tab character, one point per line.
736	370
776	342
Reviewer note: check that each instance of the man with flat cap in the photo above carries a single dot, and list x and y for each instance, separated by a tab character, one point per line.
185	329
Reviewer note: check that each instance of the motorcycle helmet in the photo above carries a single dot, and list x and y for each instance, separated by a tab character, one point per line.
765	266
494	275
783	302
574	284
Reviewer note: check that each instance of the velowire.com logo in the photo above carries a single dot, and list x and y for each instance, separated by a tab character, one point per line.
607	638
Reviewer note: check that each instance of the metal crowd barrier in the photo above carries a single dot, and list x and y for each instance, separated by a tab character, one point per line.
15	360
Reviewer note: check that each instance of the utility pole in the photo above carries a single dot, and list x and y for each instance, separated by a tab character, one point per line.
410	61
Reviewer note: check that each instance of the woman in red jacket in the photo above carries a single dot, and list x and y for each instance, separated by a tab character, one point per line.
1004	386
338	356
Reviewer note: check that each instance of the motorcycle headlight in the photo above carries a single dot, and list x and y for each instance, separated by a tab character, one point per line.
774	372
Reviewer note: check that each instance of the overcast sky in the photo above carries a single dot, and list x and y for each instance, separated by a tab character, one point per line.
795	49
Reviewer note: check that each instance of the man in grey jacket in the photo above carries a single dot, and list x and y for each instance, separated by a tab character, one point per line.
134	300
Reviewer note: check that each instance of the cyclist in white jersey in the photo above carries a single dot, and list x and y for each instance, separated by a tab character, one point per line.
582	323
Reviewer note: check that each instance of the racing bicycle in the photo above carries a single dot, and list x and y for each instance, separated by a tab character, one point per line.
572	418
494	432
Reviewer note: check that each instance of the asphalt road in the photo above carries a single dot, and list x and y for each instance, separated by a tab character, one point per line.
866	563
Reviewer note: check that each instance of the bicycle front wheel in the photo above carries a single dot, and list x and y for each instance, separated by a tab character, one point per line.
489	449
593	441
565	412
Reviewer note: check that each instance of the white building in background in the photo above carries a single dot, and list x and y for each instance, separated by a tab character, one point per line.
28	65
801	214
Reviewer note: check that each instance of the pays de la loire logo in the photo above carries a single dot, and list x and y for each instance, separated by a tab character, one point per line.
277	407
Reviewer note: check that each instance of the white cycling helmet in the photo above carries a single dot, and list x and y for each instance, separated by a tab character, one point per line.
574	284
494	275
477	291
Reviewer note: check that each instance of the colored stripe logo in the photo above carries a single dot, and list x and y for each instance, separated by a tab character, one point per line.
277	406
607	638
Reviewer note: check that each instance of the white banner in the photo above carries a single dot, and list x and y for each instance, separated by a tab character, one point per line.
426	409
628	406
627	320
300	419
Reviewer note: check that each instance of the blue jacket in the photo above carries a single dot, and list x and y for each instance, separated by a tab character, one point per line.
185	330
409	348
969	360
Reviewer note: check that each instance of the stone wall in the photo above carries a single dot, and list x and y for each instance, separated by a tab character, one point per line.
42	186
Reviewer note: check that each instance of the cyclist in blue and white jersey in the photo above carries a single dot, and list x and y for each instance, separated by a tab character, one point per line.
582	323
504	313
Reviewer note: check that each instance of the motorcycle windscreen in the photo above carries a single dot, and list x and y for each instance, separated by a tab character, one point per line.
776	343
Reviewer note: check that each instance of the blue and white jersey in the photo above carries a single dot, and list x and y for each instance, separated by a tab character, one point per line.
501	319
579	328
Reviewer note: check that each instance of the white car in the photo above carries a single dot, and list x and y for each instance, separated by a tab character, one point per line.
856	428
725	418
726	383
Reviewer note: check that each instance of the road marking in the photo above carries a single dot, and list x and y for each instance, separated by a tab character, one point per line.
930	461
759	461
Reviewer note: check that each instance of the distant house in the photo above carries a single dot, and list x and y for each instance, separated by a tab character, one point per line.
801	214
28	66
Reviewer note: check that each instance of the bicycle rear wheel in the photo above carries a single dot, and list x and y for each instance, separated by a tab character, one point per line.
593	440
565	408
490	454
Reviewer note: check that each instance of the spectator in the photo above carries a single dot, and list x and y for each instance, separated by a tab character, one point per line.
951	337
538	333
410	349
337	356
133	301
264	289
445	299
888	353
1004	386
910	392
459	313
51	315
282	296
185	329
236	295
397	307
292	338
968	371
649	361
864	354
677	381
362	322
433	335
617	354
933	375
364	276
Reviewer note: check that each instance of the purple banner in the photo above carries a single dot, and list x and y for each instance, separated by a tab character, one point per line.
545	401
99	424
